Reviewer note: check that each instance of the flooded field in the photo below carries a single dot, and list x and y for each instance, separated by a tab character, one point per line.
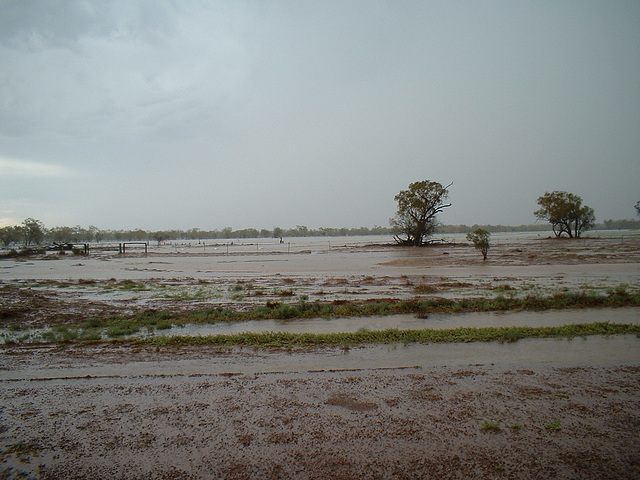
53	289
534	408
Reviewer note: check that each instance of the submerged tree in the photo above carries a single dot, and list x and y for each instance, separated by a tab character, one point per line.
565	212
480	239
418	206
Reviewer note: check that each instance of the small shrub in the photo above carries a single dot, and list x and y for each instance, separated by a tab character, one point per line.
480	239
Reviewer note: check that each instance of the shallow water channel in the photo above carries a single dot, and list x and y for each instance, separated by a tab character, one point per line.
549	318
410	322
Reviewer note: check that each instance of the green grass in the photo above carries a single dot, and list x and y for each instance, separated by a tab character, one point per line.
94	322
132	286
160	320
117	327
490	427
553	426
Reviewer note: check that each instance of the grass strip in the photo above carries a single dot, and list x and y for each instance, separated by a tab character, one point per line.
119	326
91	329
394	335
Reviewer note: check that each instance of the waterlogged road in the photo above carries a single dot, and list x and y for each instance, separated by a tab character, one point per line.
42	363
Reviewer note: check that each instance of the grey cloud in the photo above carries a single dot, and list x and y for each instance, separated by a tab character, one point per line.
323	110
36	25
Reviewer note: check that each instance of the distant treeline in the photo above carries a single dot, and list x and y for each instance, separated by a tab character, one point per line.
33	232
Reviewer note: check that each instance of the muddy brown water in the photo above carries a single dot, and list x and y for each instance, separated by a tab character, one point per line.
46	364
402	322
339	256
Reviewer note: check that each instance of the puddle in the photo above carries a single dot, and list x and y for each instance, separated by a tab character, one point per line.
593	350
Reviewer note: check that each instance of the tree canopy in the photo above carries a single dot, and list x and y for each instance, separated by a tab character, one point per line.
415	219
33	231
565	212
480	239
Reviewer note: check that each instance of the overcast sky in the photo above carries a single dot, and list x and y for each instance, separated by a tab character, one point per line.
161	114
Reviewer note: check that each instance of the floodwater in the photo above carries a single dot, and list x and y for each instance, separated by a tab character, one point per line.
410	322
315	256
593	350
402	322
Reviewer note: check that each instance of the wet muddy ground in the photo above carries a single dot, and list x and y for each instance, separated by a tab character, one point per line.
69	289
532	409
478	421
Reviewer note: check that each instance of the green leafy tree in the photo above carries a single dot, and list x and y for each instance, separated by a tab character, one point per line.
33	231
159	237
565	212
95	234
10	234
415	219
62	234
480	239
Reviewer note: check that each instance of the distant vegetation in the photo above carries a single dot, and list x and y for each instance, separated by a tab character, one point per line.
32	232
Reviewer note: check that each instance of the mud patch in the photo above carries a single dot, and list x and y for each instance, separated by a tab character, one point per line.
344	400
